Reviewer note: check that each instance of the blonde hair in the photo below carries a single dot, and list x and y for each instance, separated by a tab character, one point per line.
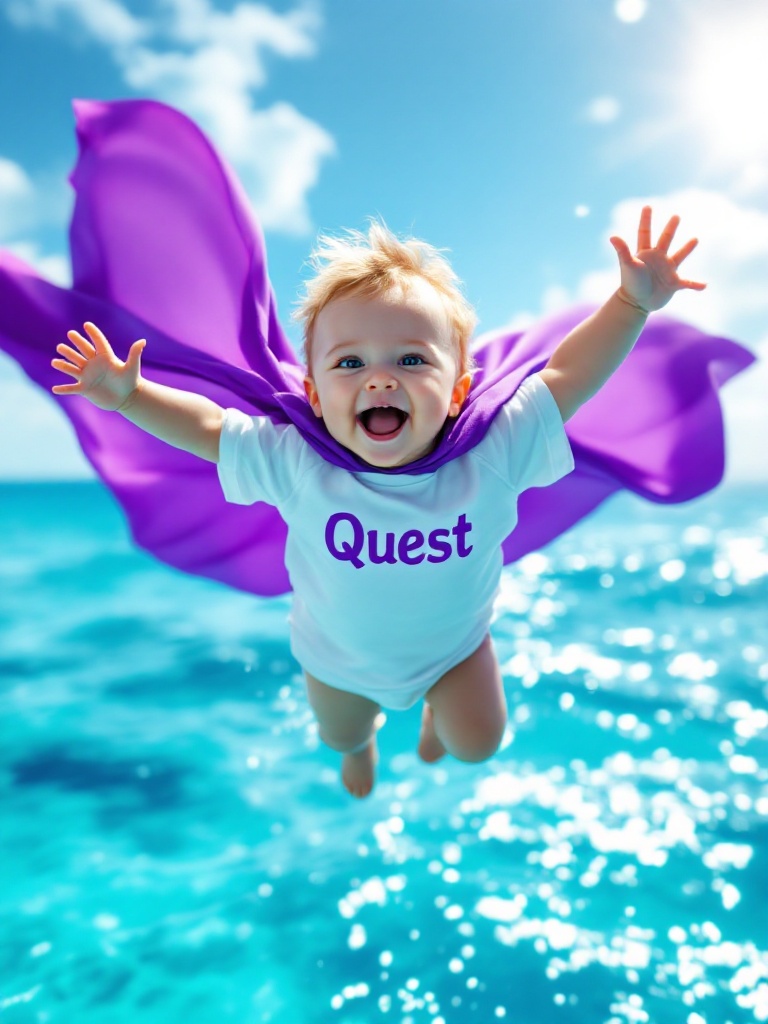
372	265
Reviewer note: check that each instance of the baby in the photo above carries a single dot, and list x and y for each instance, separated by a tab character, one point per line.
394	574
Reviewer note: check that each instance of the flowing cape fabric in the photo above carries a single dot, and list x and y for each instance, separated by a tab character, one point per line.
165	247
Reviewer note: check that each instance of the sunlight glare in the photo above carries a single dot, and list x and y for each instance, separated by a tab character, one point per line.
726	88
630	10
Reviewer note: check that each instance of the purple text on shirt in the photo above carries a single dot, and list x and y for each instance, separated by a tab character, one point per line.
407	545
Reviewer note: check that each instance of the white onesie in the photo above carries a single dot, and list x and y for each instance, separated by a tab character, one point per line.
394	575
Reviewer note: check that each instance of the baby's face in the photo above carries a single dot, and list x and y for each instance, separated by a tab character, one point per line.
394	349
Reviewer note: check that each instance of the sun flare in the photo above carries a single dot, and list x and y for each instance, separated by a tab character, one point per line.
727	85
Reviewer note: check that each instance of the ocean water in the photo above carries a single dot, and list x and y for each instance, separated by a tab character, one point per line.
177	845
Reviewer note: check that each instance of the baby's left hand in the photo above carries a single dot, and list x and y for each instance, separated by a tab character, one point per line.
650	277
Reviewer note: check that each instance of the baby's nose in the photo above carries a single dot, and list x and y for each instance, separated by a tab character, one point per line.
381	379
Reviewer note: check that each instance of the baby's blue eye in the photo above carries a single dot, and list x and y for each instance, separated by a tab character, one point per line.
354	359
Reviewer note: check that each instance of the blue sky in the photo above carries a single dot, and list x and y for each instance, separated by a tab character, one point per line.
518	134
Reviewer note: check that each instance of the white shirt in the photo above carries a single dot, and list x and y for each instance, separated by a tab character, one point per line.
394	575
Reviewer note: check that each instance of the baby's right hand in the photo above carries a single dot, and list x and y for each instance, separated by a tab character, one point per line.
101	377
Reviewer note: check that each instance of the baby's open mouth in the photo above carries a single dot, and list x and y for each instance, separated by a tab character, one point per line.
382	424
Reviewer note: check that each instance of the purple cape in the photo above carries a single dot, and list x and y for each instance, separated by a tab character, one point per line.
165	247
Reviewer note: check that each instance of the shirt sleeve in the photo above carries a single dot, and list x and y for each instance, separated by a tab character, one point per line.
258	459
527	442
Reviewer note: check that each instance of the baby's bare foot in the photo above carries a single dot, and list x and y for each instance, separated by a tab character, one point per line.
430	747
357	770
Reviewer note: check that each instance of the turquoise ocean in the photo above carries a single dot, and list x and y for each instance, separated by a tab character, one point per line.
177	845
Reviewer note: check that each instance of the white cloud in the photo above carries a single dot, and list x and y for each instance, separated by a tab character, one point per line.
746	419
277	152
25	205
17	195
14	183
209	63
105	20
751	180
53	268
246	27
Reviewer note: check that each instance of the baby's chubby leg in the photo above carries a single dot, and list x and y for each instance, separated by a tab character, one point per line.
468	708
347	723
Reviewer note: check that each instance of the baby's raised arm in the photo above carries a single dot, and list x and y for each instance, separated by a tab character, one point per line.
183	419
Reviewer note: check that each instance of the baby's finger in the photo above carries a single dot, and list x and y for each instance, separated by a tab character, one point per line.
67	389
97	337
74	357
82	343
681	253
644	231
622	249
698	285
665	238
65	367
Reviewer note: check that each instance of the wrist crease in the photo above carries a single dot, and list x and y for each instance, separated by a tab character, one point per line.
130	399
622	295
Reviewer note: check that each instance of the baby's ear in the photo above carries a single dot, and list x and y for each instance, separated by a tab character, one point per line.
459	394
311	392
